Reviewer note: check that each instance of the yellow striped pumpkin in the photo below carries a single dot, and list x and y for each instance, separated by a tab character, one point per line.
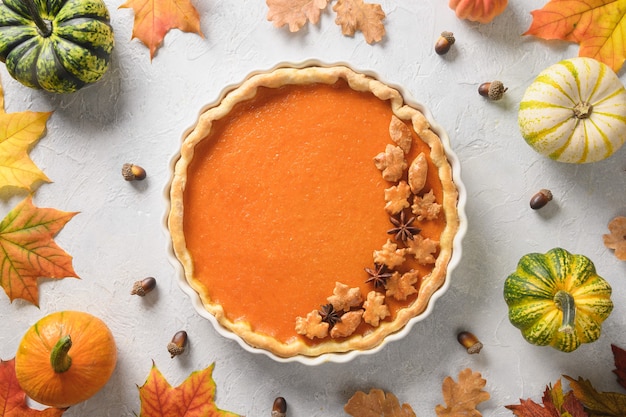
574	111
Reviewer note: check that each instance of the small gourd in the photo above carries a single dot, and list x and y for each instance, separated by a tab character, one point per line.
557	299
481	11
574	111
58	46
65	358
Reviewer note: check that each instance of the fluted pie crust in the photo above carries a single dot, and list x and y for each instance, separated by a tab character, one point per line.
280	199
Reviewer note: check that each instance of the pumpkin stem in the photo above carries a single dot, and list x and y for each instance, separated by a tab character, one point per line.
583	110
44	26
59	359
565	302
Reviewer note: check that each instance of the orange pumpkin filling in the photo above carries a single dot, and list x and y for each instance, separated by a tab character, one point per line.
282	200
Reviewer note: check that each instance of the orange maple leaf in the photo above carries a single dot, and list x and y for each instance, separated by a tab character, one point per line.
18	133
193	398
13	398
154	18
597	25
353	15
28	250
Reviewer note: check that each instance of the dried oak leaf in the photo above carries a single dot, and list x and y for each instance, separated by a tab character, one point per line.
13	398
597	25
195	397
154	18
600	404
353	15
616	239
28	250
295	13
20	131
554	404
619	356
462	397
377	404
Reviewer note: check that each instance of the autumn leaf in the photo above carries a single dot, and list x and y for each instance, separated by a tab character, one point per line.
18	134
28	250
295	13
597	25
598	404
555	404
353	15
154	18
377	404
193	398
13	398
462	398
619	356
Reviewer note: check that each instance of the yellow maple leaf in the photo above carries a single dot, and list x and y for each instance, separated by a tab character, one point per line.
597	25
154	18
353	15
18	133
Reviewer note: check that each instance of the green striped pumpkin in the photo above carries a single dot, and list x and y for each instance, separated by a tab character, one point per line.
55	45
557	299
574	111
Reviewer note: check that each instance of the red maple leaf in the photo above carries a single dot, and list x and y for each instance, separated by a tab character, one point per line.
13	398
554	404
619	356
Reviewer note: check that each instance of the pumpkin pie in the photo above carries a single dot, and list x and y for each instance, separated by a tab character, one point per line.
313	211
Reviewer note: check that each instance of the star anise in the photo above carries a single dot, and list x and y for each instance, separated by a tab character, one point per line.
379	275
404	229
330	315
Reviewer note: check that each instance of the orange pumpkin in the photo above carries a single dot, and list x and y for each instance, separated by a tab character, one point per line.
65	358
482	11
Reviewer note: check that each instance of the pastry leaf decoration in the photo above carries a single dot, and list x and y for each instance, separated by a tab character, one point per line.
18	134
195	397
154	18
28	251
13	398
351	15
596	25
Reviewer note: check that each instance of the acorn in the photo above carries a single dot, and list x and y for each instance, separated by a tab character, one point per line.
470	342
540	199
132	172
493	90
279	408
143	287
177	345
443	44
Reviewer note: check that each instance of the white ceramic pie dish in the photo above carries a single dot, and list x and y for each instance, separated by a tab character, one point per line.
346	356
